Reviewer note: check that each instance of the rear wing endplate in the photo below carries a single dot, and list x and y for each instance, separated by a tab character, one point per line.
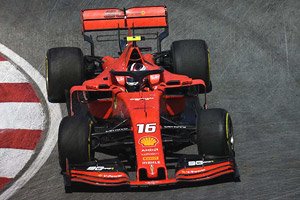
114	18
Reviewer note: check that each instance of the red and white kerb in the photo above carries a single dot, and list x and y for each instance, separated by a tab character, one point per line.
21	121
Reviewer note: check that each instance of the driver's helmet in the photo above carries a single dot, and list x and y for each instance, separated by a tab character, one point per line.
132	85
137	67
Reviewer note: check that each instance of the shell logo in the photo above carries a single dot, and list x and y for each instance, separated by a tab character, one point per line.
148	141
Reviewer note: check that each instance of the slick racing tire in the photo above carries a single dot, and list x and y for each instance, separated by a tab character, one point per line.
74	140
191	58
214	133
64	69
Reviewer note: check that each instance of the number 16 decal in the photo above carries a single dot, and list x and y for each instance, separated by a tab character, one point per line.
146	128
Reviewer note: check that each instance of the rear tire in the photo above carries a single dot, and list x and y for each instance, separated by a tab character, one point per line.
64	69
191	58
215	135
74	140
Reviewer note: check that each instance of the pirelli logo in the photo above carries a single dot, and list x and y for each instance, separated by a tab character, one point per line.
150	158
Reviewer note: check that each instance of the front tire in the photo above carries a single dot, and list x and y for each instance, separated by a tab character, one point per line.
215	133
74	140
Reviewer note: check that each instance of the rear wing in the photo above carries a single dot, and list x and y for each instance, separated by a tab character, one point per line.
104	19
107	19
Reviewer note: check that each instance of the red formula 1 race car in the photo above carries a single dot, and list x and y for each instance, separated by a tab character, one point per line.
139	107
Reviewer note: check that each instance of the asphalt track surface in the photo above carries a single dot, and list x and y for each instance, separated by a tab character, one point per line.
255	60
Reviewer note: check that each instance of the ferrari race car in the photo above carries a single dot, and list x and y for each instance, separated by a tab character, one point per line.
141	107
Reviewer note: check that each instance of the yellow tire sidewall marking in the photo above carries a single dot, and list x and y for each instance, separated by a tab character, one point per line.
208	57
227	126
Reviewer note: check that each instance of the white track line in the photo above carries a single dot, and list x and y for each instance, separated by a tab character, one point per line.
10	74
55	116
13	160
22	116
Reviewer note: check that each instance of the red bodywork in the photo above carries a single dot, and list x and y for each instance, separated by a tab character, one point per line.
143	107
